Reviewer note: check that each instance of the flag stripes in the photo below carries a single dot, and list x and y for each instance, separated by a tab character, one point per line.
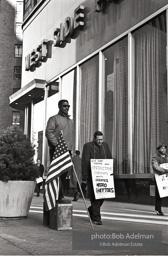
59	167
59	172
51	194
61	163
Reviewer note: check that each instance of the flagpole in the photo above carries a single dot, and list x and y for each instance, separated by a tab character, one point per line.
83	196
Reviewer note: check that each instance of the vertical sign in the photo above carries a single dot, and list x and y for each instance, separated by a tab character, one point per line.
103	178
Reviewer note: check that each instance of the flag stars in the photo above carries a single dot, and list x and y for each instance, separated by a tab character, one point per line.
61	147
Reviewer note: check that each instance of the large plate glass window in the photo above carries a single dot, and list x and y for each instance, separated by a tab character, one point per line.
68	92
116	103
88	122
150	92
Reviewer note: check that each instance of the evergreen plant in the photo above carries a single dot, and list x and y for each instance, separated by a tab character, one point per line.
16	156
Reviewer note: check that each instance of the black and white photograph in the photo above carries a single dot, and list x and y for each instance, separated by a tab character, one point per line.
84	127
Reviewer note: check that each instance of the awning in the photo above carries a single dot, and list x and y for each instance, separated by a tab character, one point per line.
33	91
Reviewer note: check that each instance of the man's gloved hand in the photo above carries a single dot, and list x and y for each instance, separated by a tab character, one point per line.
165	171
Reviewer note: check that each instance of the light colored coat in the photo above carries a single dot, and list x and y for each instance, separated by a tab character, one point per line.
56	124
156	161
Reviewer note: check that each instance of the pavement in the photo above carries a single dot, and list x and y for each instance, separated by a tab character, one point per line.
28	236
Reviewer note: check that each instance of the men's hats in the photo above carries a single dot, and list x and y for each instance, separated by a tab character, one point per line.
161	145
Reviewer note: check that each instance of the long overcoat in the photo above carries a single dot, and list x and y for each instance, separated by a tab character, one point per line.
92	151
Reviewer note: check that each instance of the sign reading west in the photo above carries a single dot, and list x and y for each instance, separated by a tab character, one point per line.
68	30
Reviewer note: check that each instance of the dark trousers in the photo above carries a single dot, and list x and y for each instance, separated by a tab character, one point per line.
76	192
37	190
96	204
62	177
94	209
62	185
158	200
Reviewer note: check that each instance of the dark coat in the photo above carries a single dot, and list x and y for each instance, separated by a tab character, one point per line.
77	165
41	170
93	151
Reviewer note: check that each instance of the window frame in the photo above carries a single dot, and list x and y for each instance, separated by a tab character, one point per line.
17	75
19	49
18	116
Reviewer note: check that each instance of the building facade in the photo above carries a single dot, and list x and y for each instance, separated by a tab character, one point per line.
11	17
109	59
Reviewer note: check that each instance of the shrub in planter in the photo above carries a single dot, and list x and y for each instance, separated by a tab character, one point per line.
17	173
16	156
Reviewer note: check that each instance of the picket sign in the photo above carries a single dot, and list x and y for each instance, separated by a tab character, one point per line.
39	180
103	178
162	182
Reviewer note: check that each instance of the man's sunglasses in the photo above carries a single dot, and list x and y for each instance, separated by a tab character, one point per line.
66	106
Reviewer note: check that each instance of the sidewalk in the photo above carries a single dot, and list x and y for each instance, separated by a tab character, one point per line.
29	237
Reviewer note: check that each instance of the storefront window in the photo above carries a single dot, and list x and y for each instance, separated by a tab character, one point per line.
39	110
68	87
52	109
68	92
150	93
116	103
88	101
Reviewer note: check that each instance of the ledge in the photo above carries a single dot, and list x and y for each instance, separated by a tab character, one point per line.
134	176
33	91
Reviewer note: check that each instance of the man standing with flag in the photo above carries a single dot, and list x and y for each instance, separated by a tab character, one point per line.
56	124
60	164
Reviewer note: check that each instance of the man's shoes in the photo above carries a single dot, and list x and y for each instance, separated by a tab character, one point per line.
97	222
38	195
160	213
76	196
63	201
94	221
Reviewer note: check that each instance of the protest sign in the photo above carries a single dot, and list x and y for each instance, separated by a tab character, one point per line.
39	180
103	178
162	182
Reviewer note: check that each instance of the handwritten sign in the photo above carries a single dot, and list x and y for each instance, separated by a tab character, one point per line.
162	184
103	178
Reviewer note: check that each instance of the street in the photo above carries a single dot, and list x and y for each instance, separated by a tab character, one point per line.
29	236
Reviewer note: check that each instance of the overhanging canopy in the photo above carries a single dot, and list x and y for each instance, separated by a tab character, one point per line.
33	91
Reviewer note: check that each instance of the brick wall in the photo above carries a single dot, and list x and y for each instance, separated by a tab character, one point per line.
7	61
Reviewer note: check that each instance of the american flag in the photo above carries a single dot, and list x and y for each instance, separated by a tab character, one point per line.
61	163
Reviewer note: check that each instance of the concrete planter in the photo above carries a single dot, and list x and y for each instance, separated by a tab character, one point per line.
15	198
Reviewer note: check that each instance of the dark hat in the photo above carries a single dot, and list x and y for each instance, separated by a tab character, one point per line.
77	152
161	145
